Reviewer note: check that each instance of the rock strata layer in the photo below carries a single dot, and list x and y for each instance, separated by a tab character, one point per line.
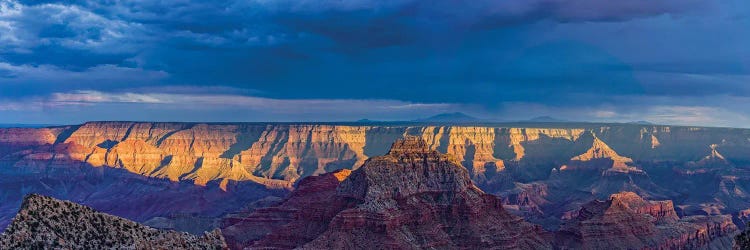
277	155
626	221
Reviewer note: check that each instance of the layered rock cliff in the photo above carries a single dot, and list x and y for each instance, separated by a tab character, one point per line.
626	221
411	198
48	223
278	154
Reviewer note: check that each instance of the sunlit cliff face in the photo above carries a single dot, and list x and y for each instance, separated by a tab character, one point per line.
277	155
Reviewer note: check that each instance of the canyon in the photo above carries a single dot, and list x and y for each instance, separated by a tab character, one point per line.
164	174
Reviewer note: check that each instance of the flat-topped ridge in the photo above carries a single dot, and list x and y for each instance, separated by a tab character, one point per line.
409	144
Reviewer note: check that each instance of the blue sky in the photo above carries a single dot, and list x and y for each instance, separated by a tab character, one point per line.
666	61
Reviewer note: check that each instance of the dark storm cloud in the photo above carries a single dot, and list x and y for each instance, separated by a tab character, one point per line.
368	24
572	53
611	11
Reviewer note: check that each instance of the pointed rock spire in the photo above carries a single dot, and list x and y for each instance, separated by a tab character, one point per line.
600	150
714	158
714	153
597	152
655	142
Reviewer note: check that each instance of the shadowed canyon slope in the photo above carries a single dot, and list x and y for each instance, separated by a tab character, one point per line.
542	171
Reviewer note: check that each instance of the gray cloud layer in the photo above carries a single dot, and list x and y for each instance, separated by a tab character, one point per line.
582	58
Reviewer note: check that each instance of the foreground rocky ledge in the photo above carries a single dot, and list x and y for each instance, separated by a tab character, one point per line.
45	223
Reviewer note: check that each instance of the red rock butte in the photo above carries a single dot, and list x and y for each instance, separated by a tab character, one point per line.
413	197
627	221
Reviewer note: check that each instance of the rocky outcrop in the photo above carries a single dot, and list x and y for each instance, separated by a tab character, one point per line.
744	217
301	217
699	231
601	171
713	159
626	221
600	150
742	240
662	211
600	155
413	197
527	198
46	223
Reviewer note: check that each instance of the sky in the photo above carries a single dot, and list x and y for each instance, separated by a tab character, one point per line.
683	62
